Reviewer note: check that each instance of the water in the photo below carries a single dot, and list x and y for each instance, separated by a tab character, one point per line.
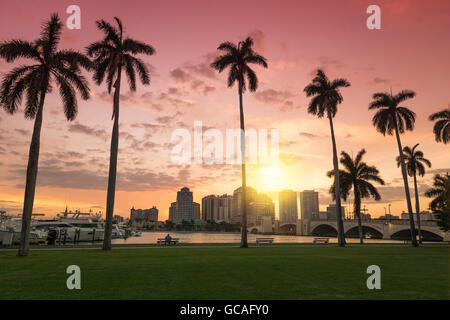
226	237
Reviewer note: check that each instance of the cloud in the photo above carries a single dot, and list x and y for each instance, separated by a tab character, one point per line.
23	132
308	135
272	96
377	80
438	171
83	129
179	75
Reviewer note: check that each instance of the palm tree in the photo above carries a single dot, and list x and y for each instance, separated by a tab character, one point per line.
414	161
326	97
34	81
441	128
441	202
237	58
111	54
357	175
391	118
440	191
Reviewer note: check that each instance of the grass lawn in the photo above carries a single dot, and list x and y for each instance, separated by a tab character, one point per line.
277	272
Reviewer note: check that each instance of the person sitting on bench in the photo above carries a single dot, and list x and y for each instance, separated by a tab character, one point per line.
168	238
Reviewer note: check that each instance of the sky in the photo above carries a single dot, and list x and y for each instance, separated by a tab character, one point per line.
410	51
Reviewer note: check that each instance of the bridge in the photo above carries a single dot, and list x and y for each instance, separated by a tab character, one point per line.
375	229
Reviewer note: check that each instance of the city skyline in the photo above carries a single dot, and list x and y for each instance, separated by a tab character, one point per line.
73	154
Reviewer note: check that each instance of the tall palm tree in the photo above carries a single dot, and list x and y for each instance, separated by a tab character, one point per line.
414	162
326	96
34	82
441	202
391	118
111	55
441	128
237	58
357	175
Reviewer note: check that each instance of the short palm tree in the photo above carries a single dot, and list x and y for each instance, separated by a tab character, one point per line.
238	58
441	128
440	191
112	54
441	202
414	162
357	175
326	96
391	118
34	82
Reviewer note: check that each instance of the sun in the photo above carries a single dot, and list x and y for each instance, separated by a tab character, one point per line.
269	176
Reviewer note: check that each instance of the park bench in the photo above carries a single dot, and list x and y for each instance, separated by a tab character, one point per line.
320	240
162	241
264	240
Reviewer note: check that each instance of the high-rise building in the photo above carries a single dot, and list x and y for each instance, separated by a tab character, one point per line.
258	205
184	206
261	206
196	208
217	208
332	210
172	211
309	204
288	206
236	210
208	207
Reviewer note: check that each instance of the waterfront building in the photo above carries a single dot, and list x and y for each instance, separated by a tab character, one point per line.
332	212
172	211
288	206
309	204
217	208
143	218
258	205
196	208
184	206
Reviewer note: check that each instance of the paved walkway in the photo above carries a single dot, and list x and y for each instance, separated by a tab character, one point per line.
213	246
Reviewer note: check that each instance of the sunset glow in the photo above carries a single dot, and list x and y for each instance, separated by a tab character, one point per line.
409	52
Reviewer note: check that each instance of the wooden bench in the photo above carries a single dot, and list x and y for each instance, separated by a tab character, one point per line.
162	241
321	240
264	240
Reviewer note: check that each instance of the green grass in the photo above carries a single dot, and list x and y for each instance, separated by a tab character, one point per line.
290	272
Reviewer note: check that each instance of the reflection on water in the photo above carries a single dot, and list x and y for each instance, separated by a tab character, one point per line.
223	237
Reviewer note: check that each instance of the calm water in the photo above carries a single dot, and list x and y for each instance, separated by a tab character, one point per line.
218	237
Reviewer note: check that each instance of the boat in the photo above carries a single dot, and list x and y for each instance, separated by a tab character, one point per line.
71	226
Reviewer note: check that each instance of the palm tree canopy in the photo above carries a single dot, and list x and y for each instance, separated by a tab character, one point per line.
440	192
326	94
414	161
357	174
237	58
441	128
390	114
114	51
31	80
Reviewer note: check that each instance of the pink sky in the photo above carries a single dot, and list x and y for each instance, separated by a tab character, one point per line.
409	52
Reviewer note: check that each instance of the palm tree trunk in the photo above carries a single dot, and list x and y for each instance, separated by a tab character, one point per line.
340	224
244	243
416	192
30	185
112	167
408	197
357	207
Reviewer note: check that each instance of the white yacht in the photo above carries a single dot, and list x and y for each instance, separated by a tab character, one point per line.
73	226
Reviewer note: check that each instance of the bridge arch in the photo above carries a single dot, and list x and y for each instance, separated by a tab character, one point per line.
288	228
427	235
368	232
324	230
